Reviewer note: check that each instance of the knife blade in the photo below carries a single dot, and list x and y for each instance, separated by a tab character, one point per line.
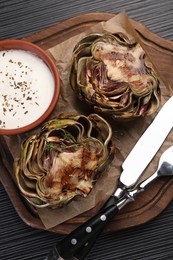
143	152
145	148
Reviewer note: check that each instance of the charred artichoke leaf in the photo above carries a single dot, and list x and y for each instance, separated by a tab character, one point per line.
86	41
64	159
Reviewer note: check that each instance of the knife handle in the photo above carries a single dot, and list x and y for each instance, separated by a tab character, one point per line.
85	249
112	200
80	236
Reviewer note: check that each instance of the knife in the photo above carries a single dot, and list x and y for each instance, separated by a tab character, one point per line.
143	152
165	168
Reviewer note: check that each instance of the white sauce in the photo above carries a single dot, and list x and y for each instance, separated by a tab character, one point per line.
26	88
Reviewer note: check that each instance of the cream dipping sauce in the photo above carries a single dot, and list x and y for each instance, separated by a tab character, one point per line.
26	88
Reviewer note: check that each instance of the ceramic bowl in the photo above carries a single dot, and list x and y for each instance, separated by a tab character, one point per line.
23	105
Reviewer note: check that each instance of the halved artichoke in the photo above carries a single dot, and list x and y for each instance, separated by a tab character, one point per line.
64	159
112	74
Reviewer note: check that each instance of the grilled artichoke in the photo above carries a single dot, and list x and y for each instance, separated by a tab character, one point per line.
112	74
64	159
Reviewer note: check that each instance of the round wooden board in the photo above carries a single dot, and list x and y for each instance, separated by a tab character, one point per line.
148	204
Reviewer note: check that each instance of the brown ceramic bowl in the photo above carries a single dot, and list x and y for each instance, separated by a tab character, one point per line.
8	46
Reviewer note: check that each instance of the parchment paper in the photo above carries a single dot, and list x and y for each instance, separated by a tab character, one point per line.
125	135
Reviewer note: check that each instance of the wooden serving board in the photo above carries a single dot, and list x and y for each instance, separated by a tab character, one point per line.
148	204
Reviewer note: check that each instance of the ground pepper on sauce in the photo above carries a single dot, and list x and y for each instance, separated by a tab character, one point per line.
23	80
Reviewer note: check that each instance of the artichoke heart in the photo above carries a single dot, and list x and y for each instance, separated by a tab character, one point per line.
64	159
112	74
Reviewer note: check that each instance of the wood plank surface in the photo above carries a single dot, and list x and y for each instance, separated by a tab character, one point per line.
149	204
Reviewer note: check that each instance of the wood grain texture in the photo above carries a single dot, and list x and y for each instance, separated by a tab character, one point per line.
149	204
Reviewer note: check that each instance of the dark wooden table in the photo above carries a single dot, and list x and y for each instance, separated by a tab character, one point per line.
18	241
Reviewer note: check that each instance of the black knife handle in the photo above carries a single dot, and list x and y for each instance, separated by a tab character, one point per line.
112	200
80	236
85	249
